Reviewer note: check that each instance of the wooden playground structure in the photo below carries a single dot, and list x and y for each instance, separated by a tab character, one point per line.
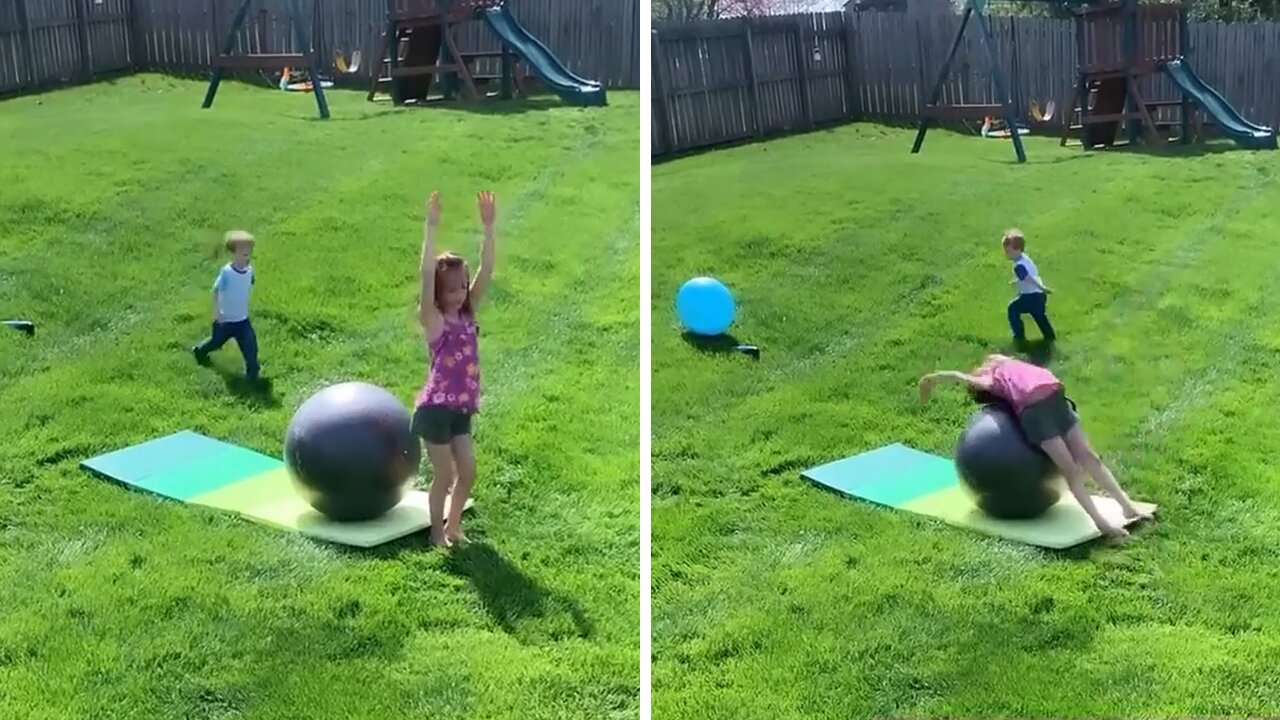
1122	47
420	46
418	57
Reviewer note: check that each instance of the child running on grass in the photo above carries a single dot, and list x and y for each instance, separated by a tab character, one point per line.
1039	401
231	305
1033	294
451	395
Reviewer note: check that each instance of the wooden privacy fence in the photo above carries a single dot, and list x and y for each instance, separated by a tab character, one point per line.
598	39
725	81
50	42
719	81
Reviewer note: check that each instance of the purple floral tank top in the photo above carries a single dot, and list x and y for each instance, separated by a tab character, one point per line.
454	378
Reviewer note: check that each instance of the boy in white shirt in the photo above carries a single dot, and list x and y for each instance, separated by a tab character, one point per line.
231	305
1032	293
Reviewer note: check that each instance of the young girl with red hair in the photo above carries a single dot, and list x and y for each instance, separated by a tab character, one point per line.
1038	400
451	394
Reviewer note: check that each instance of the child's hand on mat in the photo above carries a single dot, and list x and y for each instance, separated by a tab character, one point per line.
433	209
1113	531
488	206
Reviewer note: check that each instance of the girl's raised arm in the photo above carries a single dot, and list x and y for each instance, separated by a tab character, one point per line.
428	314
487	205
928	382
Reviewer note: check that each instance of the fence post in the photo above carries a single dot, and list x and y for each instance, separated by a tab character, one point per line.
802	67
753	83
852	81
633	73
322	35
215	38
28	46
1015	72
138	55
661	111
82	31
923	79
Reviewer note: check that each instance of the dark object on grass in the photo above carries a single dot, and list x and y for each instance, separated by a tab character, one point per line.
1011	478
350	452
25	326
723	343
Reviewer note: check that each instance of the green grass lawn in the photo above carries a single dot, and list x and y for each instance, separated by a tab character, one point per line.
857	267
120	605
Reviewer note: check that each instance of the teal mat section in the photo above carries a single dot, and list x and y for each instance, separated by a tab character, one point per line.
891	475
208	473
132	464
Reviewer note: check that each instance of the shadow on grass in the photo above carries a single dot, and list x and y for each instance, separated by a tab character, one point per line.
1166	151
719	344
1037	352
495	106
260	393
47	87
511	597
376	113
1174	151
485	106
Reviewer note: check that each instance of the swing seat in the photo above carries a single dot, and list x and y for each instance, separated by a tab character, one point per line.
1042	115
340	63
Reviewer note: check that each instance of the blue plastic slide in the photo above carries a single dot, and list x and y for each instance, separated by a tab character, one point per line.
542	61
1245	133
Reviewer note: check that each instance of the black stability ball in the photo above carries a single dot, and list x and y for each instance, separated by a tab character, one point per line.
1011	478
350	451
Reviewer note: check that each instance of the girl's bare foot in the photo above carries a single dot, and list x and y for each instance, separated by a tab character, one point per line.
458	538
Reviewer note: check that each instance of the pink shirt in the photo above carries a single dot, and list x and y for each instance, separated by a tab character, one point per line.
1021	383
454	378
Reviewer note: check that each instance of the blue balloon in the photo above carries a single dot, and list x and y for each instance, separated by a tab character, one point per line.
705	306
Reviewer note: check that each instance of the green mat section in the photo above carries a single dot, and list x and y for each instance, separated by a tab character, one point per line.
907	479
133	465
192	468
891	475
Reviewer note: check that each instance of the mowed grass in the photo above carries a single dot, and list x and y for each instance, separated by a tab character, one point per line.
857	267
117	604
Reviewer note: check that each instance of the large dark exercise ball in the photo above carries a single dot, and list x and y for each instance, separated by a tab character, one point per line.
350	452
1010	478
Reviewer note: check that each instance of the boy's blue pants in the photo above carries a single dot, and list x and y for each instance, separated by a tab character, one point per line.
242	333
1032	304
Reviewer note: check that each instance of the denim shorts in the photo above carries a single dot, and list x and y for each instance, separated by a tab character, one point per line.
439	425
1048	418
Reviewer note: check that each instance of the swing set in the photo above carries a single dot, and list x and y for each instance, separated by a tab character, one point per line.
300	71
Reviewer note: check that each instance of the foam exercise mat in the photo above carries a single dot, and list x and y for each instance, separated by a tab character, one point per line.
907	479
192	468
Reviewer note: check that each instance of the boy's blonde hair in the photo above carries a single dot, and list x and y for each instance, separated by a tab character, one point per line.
237	237
1014	238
